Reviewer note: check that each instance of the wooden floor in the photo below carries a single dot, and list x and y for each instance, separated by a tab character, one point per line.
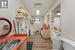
39	43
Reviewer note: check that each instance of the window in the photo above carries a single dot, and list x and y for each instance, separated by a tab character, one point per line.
36	20
3	3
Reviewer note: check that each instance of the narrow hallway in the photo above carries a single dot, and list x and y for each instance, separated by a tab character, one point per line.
39	43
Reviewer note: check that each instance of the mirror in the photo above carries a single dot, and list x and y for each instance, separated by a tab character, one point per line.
5	27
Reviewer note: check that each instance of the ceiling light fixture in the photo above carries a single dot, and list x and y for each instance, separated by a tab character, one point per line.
58	14
38	5
38	12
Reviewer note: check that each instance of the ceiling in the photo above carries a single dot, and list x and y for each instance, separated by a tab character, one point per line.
42	5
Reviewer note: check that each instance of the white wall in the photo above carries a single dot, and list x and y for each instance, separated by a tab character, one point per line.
68	18
68	22
10	12
57	22
51	14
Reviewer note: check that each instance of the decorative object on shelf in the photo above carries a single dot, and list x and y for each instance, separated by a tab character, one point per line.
20	15
21	11
21	19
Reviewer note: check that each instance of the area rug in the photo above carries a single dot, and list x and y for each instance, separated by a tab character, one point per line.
29	45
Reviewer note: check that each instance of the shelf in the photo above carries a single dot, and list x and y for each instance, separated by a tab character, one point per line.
22	37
